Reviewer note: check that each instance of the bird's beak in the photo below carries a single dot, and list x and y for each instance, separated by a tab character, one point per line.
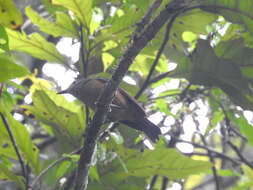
62	92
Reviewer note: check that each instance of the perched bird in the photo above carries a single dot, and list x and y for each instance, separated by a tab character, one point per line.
124	108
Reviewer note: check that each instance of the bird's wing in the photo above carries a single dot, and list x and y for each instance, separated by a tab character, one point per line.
130	100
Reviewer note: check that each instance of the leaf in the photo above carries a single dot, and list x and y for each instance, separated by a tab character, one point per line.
10	16
248	172
35	45
239	12
66	119
163	106
6	174
28	150
62	169
205	68
245	128
10	70
63	26
194	21
161	161
4	40
239	53
82	9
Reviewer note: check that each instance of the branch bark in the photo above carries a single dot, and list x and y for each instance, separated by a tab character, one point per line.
136	43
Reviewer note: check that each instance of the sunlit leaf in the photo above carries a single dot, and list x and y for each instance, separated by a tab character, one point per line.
82	9
10	16
66	119
63	26
10	70
29	151
35	45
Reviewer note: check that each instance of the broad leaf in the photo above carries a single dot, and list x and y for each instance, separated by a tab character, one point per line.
63	26
235	11
53	110
161	161
35	45
10	16
10	70
28	150
82	9
205	68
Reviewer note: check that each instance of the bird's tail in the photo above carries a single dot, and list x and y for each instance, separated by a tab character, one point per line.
149	128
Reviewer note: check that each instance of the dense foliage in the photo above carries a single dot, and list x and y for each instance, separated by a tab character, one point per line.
203	106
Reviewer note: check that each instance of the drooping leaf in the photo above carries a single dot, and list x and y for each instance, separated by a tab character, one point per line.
10	16
10	70
28	150
36	46
82	9
66	119
4	40
63	26
205	68
161	161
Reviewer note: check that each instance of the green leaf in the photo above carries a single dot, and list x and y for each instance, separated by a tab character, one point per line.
239	12
240	54
161	161
82	9
28	150
163	106
66	119
10	70
245	128
205	68
248	171
35	45
227	172
63	26
10	16
4	40
6	174
62	169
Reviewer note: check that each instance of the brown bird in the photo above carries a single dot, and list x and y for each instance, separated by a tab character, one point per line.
124	108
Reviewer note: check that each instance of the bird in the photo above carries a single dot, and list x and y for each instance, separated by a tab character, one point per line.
124	108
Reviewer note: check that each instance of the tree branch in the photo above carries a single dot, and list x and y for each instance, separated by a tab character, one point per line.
152	69
136	43
14	143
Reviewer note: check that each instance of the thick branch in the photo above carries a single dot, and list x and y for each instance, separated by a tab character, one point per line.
137	42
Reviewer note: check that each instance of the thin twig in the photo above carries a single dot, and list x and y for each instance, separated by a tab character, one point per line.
37	179
216	178
219	154
239	154
152	69
83	52
211	7
14	143
112	128
152	183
